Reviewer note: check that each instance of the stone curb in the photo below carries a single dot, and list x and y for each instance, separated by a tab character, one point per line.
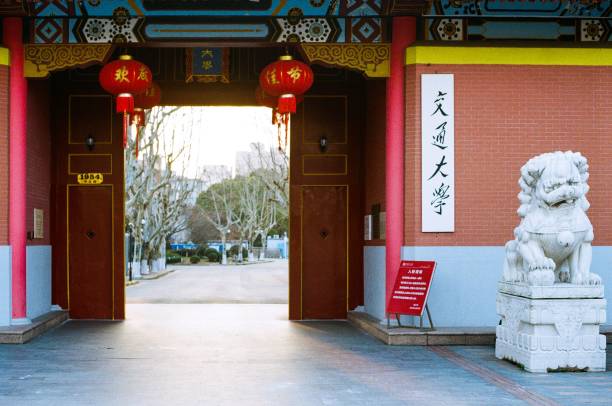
40	325
440	336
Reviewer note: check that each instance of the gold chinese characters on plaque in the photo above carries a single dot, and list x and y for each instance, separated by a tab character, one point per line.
90	178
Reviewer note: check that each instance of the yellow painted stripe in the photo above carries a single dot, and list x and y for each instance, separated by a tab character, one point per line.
4	57
453	55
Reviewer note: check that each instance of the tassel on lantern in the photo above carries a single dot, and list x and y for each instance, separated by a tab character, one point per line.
125	103
138	117
126	124
287	104
138	129
282	120
286	119
274	116
278	127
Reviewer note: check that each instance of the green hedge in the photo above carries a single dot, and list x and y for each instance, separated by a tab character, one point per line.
236	249
194	259
213	255
173	259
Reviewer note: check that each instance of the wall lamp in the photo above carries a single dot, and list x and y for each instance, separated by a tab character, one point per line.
90	142
323	143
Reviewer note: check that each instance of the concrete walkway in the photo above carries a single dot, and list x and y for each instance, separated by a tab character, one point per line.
204	354
257	283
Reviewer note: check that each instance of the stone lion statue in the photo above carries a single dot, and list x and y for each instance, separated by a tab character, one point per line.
553	240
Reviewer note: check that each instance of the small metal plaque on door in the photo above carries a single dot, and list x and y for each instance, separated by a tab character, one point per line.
90	178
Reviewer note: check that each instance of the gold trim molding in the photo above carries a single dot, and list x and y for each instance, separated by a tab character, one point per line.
371	59
41	59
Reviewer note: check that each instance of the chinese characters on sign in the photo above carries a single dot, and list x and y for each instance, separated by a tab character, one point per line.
437	153
411	288
207	64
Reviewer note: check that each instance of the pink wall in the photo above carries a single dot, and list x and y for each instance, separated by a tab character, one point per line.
505	115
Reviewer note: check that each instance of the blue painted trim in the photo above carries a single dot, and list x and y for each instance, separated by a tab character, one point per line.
521	30
465	283
505	8
216	30
107	8
38	280
374	285
5	286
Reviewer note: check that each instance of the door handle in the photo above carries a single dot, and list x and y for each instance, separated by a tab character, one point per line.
90	234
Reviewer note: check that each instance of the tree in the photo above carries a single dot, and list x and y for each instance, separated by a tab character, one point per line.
259	208
156	193
200	228
270	167
218	204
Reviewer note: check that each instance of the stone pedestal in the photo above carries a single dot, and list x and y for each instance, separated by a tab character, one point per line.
547	328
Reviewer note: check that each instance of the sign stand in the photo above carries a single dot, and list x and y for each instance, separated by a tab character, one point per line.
410	293
399	324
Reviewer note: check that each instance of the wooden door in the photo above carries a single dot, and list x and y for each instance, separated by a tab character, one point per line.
90	252
325	261
324	248
88	273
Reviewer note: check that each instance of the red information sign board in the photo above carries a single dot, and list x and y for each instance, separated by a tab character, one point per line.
411	288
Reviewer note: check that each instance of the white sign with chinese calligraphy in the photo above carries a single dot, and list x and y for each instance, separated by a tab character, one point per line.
437	153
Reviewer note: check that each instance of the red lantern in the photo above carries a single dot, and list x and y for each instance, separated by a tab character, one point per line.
286	79
147	100
124	78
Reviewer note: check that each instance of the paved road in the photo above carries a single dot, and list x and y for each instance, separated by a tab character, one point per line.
207	354
258	283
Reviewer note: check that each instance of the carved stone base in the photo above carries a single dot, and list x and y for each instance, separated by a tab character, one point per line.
547	334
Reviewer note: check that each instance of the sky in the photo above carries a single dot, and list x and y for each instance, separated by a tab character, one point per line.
217	133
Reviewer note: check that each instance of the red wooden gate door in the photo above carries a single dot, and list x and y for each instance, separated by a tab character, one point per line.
324	248
90	252
325	264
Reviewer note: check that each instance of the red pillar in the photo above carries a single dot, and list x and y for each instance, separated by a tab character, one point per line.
18	89
404	34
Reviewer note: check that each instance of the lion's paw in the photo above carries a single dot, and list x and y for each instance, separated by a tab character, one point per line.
578	279
542	277
594	279
542	264
564	277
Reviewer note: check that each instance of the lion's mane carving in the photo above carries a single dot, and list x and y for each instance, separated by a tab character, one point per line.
553	240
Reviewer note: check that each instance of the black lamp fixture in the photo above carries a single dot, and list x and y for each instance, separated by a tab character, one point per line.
90	142
323	143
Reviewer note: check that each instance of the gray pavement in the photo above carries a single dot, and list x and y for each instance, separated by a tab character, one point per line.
240	354
257	283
